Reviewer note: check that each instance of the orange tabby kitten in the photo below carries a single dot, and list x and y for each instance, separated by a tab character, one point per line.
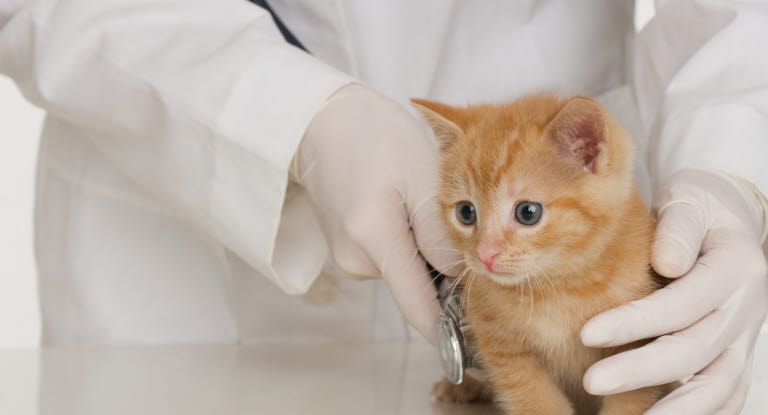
540	197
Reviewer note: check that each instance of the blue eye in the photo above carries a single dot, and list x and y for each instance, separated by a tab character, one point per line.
466	213
528	213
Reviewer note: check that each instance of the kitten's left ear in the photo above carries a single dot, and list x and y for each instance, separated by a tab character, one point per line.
580	130
446	121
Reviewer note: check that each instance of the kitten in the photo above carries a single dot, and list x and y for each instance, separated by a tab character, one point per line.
539	195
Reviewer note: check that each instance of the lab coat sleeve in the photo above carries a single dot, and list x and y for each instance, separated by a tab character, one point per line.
700	72
201	102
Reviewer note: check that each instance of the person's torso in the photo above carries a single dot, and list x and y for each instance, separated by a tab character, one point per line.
466	52
116	266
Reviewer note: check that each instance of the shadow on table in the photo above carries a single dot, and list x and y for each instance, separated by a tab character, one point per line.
441	408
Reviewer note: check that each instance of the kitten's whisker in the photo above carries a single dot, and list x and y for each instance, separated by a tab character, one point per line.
530	289
455	283
432	281
538	284
464	292
413	257
451	265
536	279
456	263
549	280
470	288
440	249
566	276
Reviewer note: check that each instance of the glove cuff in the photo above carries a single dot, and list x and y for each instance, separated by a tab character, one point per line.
295	173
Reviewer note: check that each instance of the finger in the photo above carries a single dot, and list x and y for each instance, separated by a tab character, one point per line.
735	403
679	233
670	309
352	261
426	217
708	390
410	284
664	360
432	238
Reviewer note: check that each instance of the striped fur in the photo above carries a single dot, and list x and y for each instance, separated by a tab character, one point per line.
589	252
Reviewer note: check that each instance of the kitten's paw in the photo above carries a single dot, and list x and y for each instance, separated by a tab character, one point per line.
471	390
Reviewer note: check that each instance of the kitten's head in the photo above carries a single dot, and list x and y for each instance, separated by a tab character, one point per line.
531	188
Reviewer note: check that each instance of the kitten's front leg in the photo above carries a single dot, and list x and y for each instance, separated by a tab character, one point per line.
523	386
471	390
635	402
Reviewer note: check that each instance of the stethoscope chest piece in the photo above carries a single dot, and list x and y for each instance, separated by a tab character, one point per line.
451	343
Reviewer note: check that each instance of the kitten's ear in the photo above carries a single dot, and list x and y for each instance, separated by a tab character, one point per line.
580	130
444	119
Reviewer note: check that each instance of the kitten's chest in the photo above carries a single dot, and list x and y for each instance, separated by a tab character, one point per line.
552	331
548	326
550	321
556	341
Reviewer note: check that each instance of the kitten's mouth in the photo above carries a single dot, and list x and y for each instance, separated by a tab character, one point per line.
507	278
510	271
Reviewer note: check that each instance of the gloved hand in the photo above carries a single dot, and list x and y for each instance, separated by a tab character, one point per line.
372	175
709	239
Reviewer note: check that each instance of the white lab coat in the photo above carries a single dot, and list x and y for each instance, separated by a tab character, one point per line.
163	210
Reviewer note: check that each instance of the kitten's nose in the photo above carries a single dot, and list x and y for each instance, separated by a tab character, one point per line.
487	256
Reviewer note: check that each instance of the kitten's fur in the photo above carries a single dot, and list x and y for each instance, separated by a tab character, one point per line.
589	252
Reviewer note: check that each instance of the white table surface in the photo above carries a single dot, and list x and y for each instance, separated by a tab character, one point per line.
352	378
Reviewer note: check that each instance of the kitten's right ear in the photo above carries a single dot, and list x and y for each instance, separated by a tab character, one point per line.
580	130
444	119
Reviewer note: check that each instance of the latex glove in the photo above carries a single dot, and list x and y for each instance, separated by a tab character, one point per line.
372	175
708	238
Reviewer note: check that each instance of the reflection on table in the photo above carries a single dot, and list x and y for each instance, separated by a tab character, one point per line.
350	378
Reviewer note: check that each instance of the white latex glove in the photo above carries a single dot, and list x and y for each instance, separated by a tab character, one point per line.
372	175
709	239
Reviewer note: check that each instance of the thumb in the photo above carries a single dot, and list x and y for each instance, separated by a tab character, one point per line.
679	234
426	218
432	239
411	286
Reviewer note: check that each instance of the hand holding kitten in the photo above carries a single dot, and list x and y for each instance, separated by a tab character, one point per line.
371	174
708	238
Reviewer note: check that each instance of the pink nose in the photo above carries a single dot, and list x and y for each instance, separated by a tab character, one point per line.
487	256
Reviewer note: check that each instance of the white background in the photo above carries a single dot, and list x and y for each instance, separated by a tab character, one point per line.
19	131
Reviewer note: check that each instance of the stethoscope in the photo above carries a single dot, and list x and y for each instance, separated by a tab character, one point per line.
451	328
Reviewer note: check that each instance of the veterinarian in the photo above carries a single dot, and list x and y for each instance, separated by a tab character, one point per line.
195	164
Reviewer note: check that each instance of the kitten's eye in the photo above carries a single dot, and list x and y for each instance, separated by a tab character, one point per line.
528	213
466	213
